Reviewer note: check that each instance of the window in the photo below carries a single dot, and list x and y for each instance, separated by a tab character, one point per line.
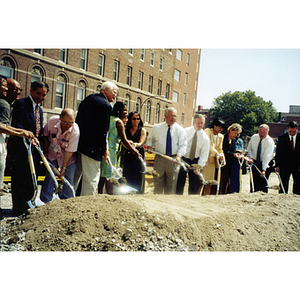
129	75
63	55
179	54
161	63
38	51
175	96
140	81
177	75
186	78
157	112
101	64
150	84
167	90
83	59
188	59
130	51
148	111
36	74
152	59
159	84
60	91
182	119
127	101
80	92
116	70
142	54
138	104
184	99
7	68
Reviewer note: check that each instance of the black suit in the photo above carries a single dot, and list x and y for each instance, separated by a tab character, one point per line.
288	161
21	182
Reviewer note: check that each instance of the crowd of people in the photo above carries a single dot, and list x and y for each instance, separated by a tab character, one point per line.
85	147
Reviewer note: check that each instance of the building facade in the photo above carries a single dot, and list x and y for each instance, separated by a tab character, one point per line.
149	80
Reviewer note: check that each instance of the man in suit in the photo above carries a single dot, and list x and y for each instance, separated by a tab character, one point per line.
93	120
287	157
28	115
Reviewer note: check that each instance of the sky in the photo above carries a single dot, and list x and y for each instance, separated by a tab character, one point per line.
274	74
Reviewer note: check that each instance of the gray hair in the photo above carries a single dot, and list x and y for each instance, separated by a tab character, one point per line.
170	109
264	126
109	85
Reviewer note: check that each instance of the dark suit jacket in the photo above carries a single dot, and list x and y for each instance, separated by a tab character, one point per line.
285	158
93	120
23	117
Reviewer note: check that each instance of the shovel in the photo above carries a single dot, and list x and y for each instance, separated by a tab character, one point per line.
63	179
251	176
259	171
123	188
171	159
219	174
31	203
280	181
241	161
47	165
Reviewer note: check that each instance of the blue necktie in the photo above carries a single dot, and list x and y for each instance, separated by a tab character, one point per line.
169	142
258	153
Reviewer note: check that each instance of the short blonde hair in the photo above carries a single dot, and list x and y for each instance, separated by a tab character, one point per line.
235	127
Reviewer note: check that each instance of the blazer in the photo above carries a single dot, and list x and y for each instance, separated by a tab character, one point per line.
285	157
214	147
93	120
24	117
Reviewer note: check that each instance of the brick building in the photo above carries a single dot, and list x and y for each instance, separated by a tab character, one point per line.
149	80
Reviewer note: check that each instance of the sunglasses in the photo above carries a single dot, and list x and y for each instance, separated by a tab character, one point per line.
135	119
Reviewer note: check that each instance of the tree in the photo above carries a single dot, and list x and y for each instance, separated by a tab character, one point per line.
244	108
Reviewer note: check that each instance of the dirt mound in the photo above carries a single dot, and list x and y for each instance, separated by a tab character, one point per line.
235	222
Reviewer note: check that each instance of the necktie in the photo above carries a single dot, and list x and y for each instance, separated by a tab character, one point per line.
169	142
37	120
292	143
193	146
258	154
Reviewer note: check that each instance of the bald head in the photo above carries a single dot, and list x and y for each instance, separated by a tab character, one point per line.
14	90
67	118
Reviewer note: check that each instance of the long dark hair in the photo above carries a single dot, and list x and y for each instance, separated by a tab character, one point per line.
117	109
129	124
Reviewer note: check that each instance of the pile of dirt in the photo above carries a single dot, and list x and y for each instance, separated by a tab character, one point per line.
235	222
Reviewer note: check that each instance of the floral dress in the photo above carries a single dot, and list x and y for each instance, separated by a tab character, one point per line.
113	145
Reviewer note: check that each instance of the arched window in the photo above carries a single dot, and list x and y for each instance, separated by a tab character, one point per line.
60	91
7	68
148	111
98	89
80	92
36	74
138	104
157	113
127	101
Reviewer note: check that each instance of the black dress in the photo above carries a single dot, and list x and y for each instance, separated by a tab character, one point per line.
132	166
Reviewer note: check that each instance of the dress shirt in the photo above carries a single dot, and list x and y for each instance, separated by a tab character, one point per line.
158	137
267	149
203	144
60	142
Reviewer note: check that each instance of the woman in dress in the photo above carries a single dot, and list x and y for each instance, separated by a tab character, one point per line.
116	134
132	167
231	155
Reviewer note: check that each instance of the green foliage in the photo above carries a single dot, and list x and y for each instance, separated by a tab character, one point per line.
244	108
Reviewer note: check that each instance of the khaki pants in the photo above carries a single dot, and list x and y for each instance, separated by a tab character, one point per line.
168	173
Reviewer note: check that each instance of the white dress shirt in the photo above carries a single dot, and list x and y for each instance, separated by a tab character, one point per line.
267	149
158	137
203	144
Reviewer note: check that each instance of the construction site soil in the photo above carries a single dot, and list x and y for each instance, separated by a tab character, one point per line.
234	222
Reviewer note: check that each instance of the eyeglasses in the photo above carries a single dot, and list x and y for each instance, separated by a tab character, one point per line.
135	119
67	123
17	89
